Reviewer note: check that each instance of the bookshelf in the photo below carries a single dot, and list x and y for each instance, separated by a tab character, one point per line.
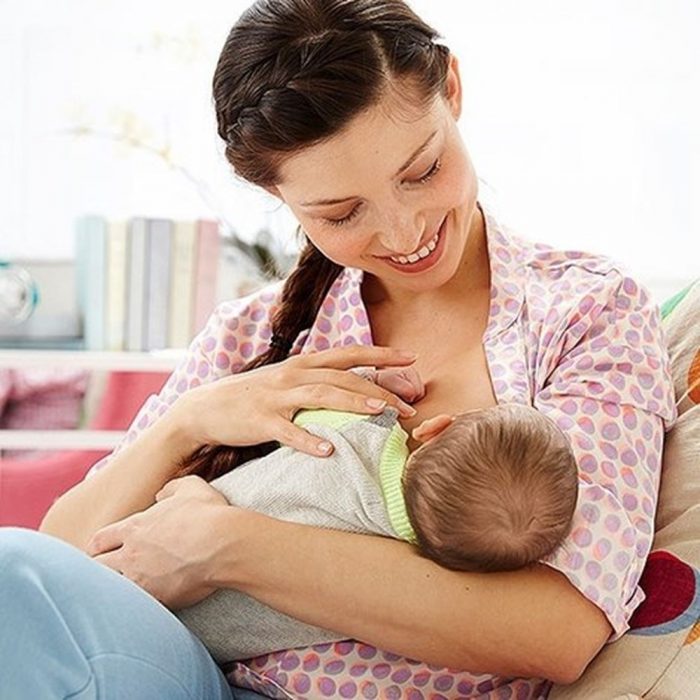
154	361
60	439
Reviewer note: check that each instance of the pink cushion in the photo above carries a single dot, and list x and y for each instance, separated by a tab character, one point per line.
28	488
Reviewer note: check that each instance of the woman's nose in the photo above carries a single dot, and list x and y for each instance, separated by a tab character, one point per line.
401	235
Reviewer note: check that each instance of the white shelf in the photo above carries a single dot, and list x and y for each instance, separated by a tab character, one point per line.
60	439
155	361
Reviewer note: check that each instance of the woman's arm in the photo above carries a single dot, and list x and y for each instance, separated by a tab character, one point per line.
126	481
529	623
126	485
242	409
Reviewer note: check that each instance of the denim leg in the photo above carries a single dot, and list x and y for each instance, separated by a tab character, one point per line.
73	628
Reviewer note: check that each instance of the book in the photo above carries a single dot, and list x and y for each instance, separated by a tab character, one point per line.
158	264
208	251
182	284
136	284
90	255
116	272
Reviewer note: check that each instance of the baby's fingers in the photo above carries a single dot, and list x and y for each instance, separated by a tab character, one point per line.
291	435
405	383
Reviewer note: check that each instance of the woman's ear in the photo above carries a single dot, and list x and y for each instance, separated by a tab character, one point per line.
453	87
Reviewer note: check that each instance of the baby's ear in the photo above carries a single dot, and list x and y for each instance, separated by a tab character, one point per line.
431	427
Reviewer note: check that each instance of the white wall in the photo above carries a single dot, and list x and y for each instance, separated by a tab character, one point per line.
583	116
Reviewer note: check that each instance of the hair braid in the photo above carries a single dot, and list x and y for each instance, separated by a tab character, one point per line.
291	74
302	296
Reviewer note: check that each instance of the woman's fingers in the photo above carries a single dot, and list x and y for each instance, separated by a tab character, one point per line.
292	435
106	539
356	356
110	559
365	385
239	409
191	484
170	489
348	399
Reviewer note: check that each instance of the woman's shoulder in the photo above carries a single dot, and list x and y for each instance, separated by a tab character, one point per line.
238	329
567	277
258	304
546	276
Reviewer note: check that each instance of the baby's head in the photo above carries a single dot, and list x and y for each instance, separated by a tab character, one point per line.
494	491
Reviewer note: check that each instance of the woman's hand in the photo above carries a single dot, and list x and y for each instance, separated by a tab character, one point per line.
167	548
258	406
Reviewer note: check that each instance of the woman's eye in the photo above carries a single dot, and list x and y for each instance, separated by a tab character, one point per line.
432	171
345	219
422	180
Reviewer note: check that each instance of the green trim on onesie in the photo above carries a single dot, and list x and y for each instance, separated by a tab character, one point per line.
325	416
391	463
391	466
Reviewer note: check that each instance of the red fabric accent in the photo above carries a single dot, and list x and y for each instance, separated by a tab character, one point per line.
669	584
28	488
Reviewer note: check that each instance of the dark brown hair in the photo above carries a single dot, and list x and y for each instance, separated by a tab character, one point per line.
292	74
494	492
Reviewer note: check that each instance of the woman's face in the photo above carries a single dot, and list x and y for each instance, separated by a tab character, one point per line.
396	182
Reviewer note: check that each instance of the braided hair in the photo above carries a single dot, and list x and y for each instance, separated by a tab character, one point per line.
291	74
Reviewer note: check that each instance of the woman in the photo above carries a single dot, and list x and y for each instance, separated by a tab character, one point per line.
347	111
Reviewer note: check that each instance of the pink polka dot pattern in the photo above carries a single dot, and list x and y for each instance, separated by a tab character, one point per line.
568	333
385	676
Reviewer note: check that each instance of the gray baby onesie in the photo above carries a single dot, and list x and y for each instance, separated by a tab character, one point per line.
343	492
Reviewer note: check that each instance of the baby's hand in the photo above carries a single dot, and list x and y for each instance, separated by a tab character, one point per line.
405	382
431	427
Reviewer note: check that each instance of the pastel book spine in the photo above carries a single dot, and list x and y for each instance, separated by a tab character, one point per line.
136	284
207	268
159	268
182	284
116	284
91	268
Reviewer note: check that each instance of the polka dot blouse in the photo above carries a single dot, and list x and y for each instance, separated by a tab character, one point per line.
568	333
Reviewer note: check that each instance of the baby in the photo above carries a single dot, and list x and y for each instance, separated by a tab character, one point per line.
488	490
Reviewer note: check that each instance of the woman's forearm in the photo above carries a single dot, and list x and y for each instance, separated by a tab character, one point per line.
530	623
126	485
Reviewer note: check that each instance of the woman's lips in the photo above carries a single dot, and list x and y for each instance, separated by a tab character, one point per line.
423	263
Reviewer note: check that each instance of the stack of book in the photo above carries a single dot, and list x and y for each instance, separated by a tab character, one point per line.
145	284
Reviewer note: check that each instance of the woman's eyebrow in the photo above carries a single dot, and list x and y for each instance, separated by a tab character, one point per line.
407	164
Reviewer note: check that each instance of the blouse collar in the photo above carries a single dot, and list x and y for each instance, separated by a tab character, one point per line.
342	318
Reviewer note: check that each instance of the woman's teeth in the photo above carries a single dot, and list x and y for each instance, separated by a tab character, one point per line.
424	252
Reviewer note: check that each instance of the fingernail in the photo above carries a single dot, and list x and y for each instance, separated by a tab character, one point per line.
407	410
325	447
375	403
408	354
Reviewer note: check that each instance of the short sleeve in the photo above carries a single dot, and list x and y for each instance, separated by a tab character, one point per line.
236	332
604	380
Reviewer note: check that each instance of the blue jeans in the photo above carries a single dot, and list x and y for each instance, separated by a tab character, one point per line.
72	628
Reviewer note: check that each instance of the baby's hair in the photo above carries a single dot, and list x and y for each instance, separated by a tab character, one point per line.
291	74
494	492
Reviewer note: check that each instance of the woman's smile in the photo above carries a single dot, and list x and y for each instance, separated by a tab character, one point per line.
424	258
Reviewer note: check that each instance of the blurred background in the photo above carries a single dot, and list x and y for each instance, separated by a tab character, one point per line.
583	120
121	224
